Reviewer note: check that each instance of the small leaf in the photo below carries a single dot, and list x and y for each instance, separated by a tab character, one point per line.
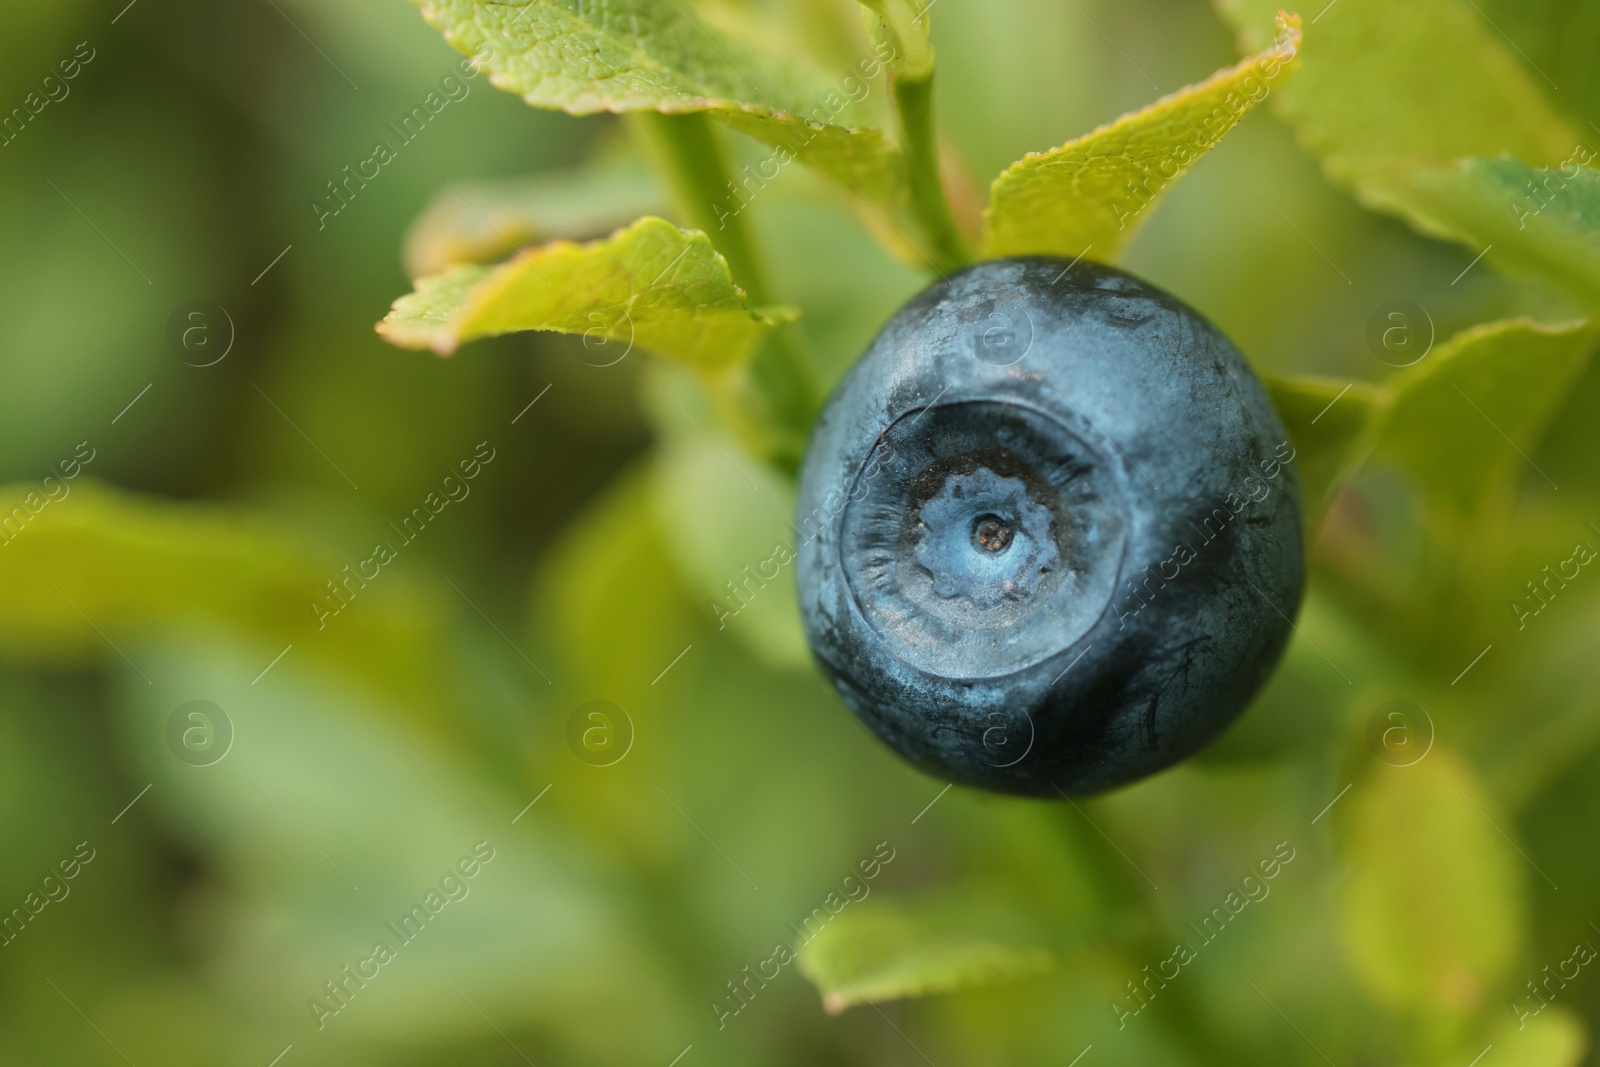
1550	1037
1327	423
609	593
481	222
651	284
650	55
1543	221
1475	408
887	950
1080	199
1433	906
730	530
903	26
389	812
1389	87
85	573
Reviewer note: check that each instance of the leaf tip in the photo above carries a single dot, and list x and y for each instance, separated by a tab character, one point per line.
835	1003
441	342
1290	32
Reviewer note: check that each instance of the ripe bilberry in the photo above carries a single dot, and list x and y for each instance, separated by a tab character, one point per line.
1050	536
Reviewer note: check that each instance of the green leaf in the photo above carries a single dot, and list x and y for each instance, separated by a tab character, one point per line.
481	222
1543	221
886	950
651	284
903	26
82	575
1080	199
1474	409
730	526
1387	88
1433	906
610	596
646	55
1327	423
324	791
1554	1037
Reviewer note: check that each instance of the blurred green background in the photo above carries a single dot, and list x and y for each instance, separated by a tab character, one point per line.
369	756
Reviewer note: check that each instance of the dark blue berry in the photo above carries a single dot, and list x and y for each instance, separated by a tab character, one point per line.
1050	533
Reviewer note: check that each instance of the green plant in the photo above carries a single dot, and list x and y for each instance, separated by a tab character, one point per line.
1397	137
702	300
1363	869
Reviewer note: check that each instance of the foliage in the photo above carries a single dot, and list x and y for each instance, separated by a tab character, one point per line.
1078	199
1426	753
651	282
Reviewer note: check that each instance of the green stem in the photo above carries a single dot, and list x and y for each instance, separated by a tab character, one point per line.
919	141
692	162
1175	1008
772	403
